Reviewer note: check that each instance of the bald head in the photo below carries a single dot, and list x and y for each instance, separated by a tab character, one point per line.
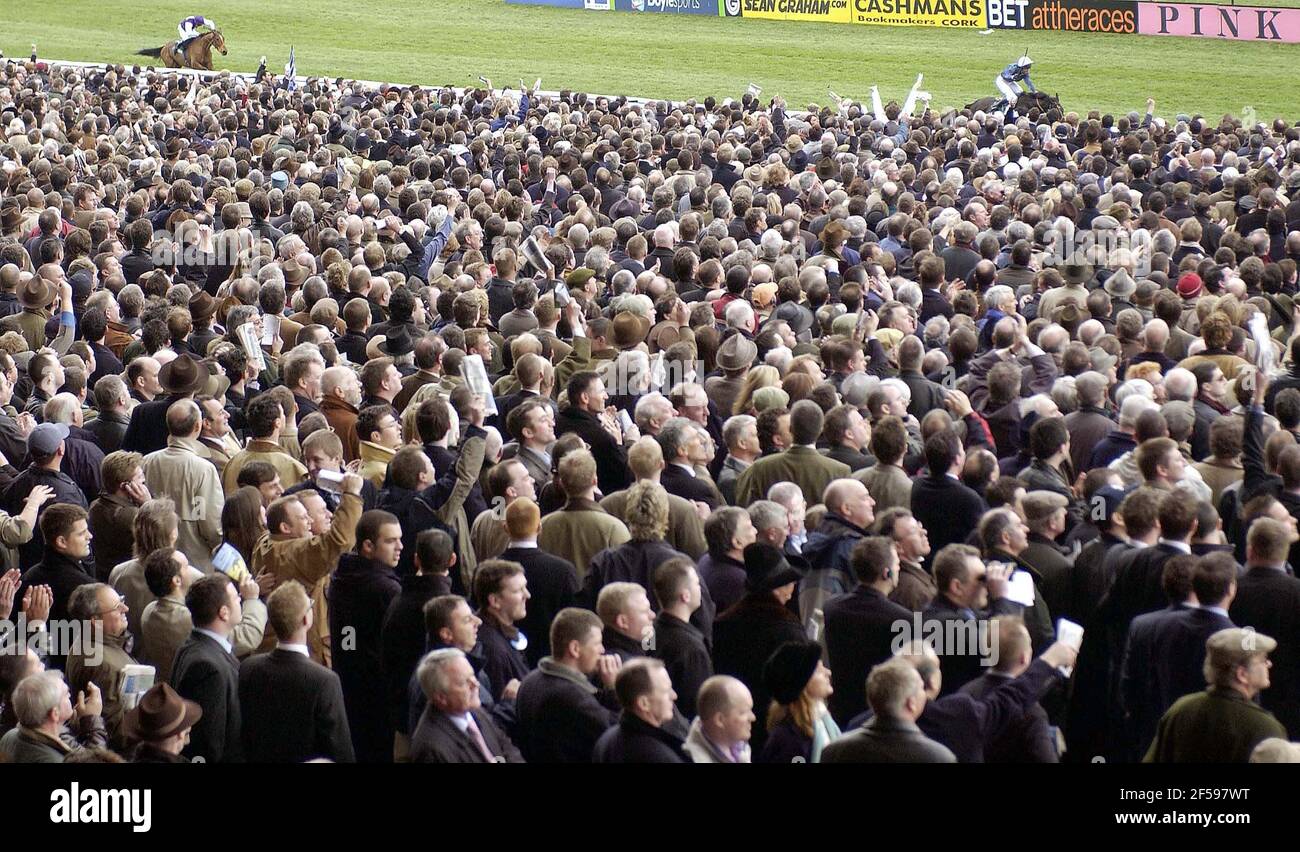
184	419
850	499
1155	335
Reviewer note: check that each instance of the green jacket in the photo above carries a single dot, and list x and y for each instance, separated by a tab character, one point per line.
1215	726
579	531
803	466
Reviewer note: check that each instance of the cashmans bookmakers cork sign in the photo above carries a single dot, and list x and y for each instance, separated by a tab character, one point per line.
921	13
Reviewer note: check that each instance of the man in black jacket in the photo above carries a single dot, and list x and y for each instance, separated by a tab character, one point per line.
561	713
454	727
680	441
501	591
1004	539
292	707
948	510
969	594
1137	588
552	581
403	635
414	495
646	695
586	415
206	672
1164	652
46	447
1027	737
361	589
860	625
67	541
500	300
677	642
1268	599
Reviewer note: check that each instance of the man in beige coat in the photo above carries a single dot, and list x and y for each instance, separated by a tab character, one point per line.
582	528
181	471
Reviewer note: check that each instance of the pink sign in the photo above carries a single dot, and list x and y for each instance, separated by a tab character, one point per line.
1241	23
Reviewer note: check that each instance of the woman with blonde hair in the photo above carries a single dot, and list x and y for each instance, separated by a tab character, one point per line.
798	723
761	376
1150	371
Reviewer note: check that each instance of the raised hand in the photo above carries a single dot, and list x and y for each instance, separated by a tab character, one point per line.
8	588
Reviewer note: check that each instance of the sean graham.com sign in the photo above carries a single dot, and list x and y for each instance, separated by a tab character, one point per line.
1238	23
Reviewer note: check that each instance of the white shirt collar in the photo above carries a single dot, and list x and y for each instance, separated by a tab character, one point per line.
216	637
461	722
687	468
1216	609
1181	546
525	545
297	649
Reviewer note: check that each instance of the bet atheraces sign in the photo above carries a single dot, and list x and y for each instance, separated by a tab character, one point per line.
1082	16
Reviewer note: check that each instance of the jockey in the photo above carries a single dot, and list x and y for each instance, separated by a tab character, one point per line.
1008	81
188	30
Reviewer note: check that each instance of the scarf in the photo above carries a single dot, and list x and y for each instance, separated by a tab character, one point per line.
1214	403
825	731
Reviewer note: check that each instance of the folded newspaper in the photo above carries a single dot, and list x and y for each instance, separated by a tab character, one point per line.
248	339
476	378
134	681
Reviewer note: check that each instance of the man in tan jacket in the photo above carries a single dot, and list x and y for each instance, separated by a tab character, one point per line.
266	421
290	551
166	622
582	528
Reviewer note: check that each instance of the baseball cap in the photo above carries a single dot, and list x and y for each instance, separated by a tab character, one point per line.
45	439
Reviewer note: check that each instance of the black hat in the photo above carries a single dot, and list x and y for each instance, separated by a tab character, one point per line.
766	568
397	341
788	670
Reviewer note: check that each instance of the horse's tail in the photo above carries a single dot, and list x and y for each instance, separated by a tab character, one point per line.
149	51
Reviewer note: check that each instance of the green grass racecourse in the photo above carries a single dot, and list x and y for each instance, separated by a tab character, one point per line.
675	56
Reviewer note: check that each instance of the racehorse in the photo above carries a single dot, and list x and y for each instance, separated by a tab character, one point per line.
1027	101
198	53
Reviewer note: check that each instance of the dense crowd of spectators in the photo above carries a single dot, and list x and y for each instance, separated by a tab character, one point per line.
420	425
